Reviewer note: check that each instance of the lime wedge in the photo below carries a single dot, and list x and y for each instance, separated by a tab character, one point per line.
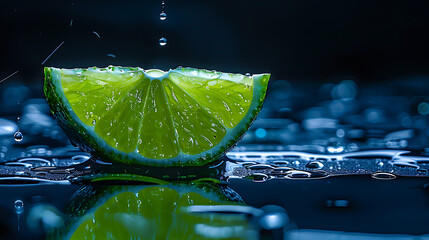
181	117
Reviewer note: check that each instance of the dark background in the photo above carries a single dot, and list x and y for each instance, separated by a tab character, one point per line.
294	40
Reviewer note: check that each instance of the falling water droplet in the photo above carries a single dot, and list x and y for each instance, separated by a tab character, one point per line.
19	206
314	165
335	146
18	136
19	209
163	16
162	41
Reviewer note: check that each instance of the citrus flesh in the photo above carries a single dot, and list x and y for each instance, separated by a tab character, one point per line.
159	212
181	117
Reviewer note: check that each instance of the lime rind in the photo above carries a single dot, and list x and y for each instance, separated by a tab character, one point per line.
86	138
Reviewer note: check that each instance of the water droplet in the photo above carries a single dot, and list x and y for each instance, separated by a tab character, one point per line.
335	146
259	177
162	41
19	206
260	133
18	136
383	176
248	75
260	167
337	203
162	16
298	174
274	217
93	122
280	163
314	165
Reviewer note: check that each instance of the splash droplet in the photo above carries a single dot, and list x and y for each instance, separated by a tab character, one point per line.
162	16
18	136
162	41
19	206
335	146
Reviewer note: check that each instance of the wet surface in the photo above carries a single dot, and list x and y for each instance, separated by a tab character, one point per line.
347	160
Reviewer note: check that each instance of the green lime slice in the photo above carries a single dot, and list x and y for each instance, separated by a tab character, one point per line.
181	117
159	212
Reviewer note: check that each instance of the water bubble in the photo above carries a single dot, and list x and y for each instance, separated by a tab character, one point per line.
352	147
423	108
260	133
259	177
298	174
18	136
93	122
260	167
314	165
274	217
19	207
162	16
335	146
162	41
248	75
383	176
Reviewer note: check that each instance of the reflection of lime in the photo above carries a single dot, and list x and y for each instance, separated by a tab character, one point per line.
181	117
159	212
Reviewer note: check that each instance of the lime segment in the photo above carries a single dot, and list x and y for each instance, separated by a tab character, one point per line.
181	117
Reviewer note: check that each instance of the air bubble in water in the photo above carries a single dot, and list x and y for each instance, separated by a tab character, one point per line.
19	206
162	41
18	136
314	165
335	146
162	16
93	122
